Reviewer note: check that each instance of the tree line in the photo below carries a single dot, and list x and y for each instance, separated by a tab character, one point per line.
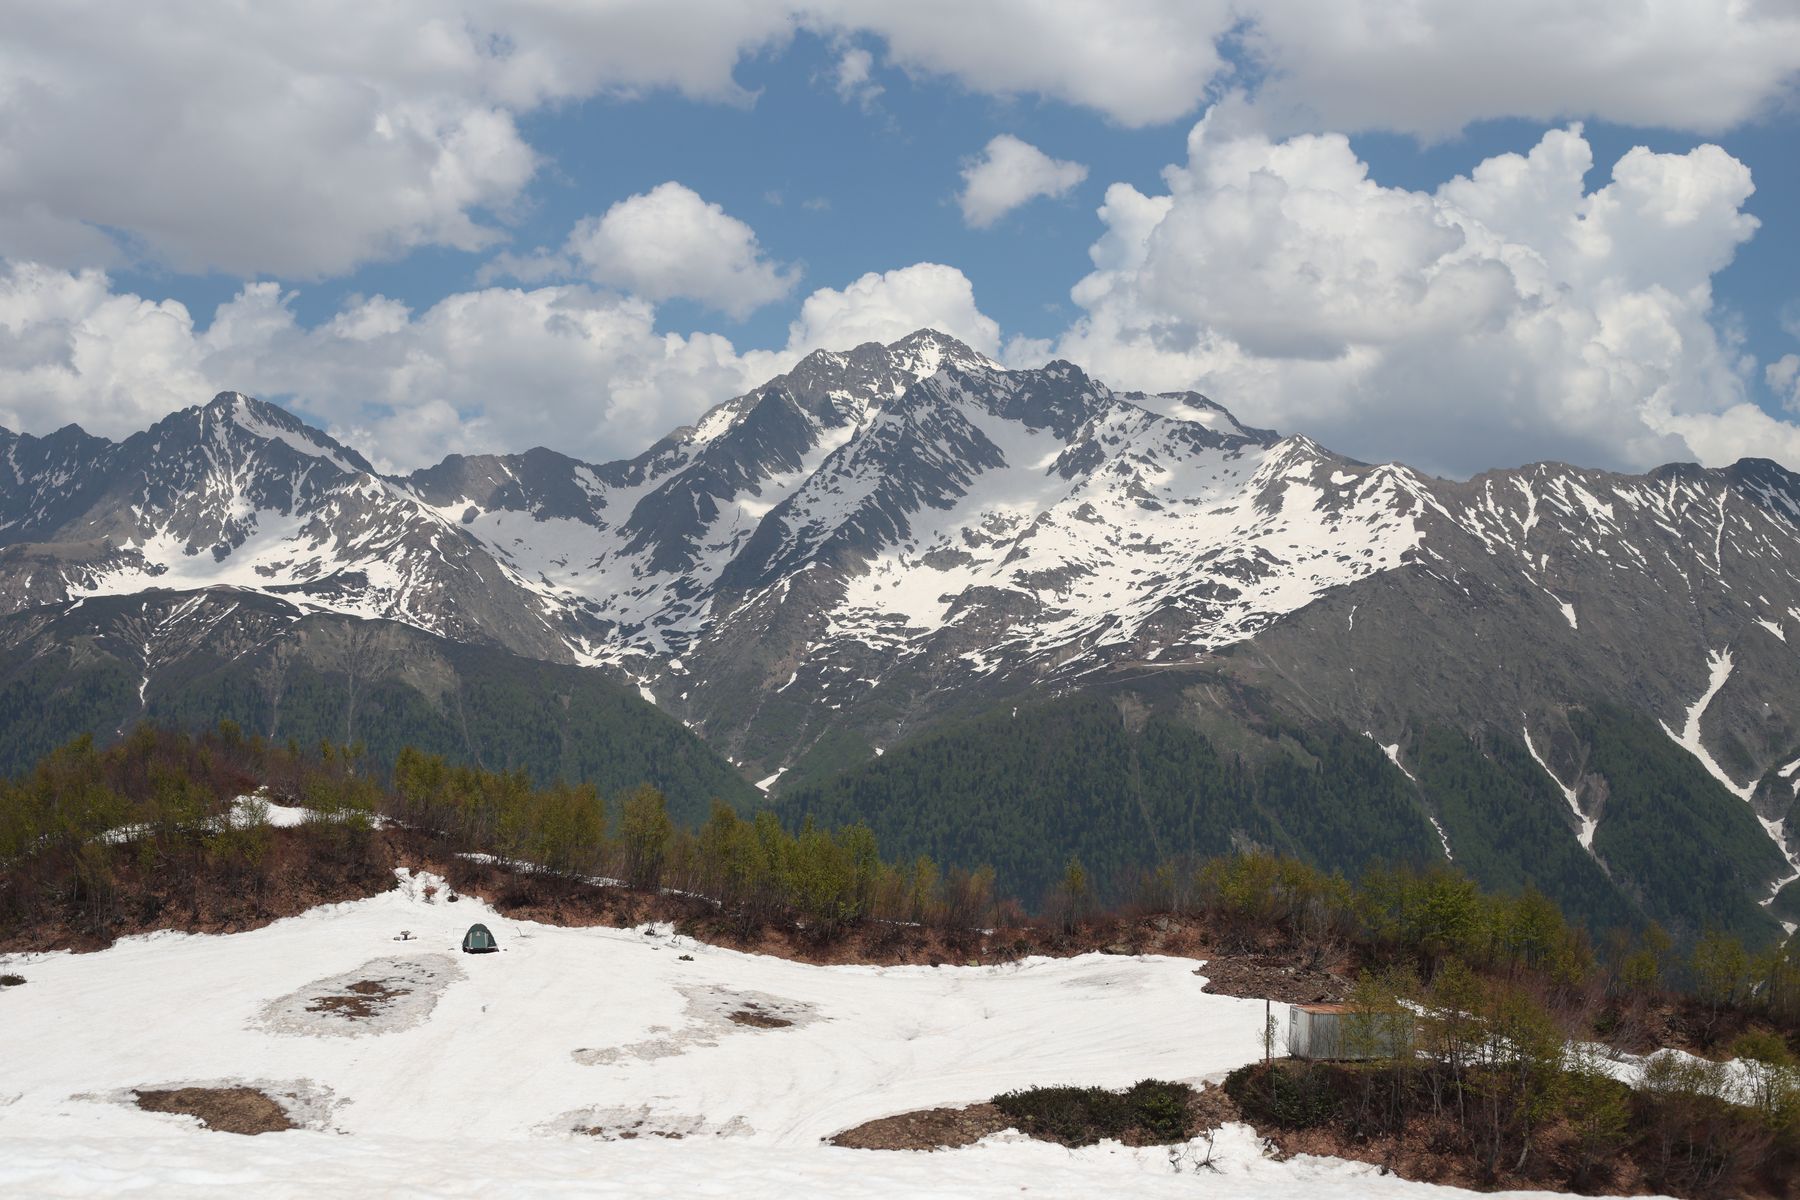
190	805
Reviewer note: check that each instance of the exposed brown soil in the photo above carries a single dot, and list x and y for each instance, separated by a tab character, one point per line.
1284	976
753	1015
366	998
929	1129
228	1110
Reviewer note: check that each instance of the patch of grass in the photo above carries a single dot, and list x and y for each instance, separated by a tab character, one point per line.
1150	1112
11	980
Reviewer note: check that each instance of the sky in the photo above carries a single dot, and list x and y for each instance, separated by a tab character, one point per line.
1457	236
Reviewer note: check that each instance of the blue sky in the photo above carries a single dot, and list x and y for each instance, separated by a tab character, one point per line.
1621	327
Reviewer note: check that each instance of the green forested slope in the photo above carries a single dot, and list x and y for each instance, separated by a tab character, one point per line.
484	707
1690	852
1510	827
1027	792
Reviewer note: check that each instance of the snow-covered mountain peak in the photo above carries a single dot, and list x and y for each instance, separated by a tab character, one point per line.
233	416
925	352
888	524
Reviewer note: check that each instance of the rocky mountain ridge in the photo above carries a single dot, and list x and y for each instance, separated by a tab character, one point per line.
882	538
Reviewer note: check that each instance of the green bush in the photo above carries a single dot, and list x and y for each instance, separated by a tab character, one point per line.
1150	1112
1292	1098
1160	1109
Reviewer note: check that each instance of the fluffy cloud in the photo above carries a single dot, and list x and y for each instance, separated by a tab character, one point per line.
1508	316
1783	376
1136	63
670	243
1433	66
71	350
499	368
884	307
1011	172
304	139
854	79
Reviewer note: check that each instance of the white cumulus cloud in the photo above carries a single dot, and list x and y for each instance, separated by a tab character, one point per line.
1008	173
1431	67
570	366
304	139
1508	316
664	244
886	306
670	243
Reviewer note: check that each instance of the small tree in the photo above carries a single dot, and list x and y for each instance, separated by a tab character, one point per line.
1642	969
1598	1110
1721	967
1771	1076
645	829
1073	897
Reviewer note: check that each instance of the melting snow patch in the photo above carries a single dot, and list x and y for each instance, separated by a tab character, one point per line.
625	1123
1586	832
767	782
383	995
1393	753
1719	668
1689	739
712	1013
1442	836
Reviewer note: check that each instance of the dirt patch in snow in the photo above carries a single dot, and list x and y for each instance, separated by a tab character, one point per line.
381	996
360	1001
228	1109
712	1013
245	1106
927	1129
1276	977
753	1015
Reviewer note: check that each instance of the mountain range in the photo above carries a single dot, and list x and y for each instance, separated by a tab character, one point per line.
1002	614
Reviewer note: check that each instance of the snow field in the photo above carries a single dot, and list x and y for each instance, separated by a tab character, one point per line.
480	1085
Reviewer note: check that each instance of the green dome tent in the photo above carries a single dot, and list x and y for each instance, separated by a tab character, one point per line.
479	941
